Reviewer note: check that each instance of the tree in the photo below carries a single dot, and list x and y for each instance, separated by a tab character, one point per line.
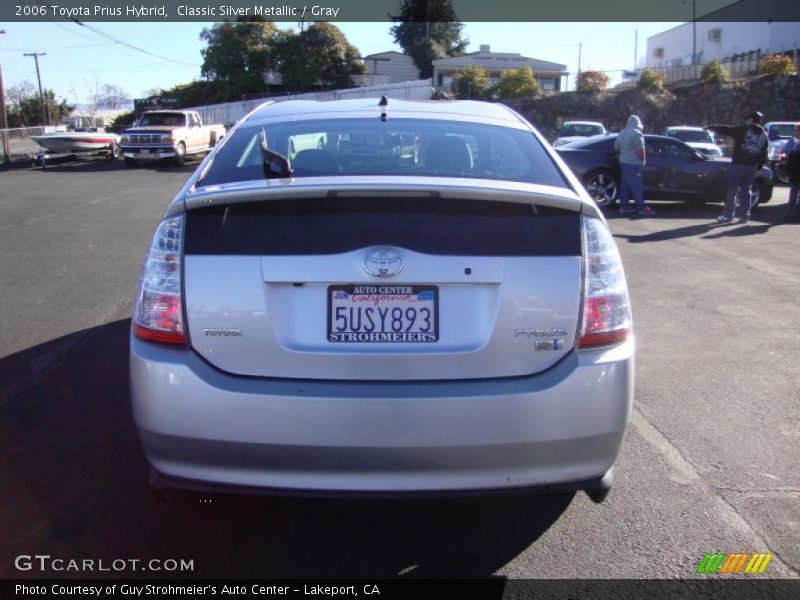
471	83
714	72
15	96
651	80
194	93
112	97
122	121
424	51
592	81
238	55
516	83
24	107
318	56
776	64
435	22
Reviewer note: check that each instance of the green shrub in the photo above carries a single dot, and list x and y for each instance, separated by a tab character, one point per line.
714	72
471	83
651	80
592	81
776	64
516	83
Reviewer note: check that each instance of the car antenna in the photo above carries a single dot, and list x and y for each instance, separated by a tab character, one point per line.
384	104
275	164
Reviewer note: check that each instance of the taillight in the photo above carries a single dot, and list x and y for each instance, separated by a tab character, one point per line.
158	314
606	306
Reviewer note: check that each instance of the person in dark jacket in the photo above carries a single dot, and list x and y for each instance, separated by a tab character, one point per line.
749	155
792	168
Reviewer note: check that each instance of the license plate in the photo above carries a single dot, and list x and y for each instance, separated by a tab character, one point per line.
383	313
144	151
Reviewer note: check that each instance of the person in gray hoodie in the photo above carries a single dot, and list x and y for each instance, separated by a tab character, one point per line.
630	145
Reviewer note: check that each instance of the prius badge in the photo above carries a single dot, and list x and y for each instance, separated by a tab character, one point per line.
383	262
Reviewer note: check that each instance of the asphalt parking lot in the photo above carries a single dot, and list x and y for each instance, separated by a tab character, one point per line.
709	462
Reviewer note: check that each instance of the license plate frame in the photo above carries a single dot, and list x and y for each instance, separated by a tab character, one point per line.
424	329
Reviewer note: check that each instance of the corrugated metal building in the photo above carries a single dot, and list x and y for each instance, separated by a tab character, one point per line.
389	67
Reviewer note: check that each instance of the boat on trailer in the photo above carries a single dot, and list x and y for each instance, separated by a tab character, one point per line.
76	143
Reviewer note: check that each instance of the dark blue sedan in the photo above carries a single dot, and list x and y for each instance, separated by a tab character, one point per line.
674	171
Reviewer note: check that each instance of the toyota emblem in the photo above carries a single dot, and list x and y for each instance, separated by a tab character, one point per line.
383	262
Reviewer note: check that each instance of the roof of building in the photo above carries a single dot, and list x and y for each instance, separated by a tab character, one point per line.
395	52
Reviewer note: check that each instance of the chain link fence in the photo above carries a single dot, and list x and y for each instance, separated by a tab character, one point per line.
230	112
18	145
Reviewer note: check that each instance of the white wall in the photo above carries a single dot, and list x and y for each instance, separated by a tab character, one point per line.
398	67
230	112
735	38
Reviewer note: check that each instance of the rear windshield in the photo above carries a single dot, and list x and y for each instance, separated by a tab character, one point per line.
783	130
580	129
340	224
163	119
691	135
413	147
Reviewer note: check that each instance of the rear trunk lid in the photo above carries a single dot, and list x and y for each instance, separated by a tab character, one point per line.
352	281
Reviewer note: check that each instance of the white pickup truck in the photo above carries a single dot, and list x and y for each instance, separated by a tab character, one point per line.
168	134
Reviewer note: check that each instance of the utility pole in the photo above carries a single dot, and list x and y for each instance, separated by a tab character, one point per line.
427	19
3	116
694	32
635	48
578	77
36	56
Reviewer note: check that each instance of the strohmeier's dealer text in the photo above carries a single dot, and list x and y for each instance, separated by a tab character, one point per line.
62	589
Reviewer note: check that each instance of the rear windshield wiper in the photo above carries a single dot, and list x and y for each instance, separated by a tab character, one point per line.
276	165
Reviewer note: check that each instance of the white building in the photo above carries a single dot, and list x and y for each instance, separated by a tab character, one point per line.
389	67
725	39
548	74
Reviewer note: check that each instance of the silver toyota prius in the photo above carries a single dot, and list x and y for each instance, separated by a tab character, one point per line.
382	296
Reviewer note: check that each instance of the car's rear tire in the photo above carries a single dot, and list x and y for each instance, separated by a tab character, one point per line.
603	187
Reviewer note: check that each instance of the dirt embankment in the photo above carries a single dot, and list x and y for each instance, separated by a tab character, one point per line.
778	97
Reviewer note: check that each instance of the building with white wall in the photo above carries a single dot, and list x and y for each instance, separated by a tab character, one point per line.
548	74
389	67
723	35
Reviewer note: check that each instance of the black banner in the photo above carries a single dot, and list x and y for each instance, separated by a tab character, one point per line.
496	588
382	10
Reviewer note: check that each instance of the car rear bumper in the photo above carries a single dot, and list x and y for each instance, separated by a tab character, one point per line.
205	430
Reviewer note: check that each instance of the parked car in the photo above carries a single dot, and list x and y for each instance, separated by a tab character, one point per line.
445	319
778	133
168	134
571	131
698	138
674	171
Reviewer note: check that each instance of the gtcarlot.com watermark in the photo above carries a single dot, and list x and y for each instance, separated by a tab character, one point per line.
44	563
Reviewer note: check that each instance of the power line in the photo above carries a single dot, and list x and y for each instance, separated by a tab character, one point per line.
131	46
59	47
117	40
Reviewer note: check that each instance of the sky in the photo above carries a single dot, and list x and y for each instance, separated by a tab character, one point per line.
78	59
